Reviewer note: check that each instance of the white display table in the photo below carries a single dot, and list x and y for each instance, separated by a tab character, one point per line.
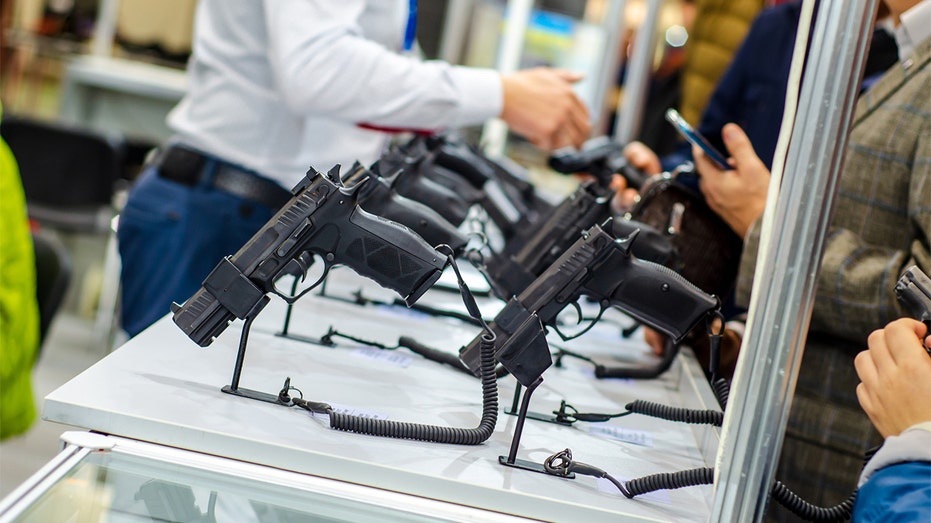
162	388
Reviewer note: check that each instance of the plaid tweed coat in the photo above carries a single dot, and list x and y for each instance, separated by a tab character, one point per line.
880	226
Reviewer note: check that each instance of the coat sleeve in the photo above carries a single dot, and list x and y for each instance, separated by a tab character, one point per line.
881	223
326	66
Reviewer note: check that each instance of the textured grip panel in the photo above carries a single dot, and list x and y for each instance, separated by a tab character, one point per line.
662	298
392	255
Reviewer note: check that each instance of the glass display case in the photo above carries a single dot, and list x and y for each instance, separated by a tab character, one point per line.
107	478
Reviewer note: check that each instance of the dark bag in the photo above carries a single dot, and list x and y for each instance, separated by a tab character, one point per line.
708	250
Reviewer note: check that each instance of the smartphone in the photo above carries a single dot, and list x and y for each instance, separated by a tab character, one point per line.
694	137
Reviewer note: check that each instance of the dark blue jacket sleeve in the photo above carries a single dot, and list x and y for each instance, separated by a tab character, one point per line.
753	89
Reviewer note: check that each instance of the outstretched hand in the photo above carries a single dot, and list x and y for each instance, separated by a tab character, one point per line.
737	195
896	377
540	105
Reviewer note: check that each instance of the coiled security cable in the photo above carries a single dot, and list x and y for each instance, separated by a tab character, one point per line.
562	464
432	433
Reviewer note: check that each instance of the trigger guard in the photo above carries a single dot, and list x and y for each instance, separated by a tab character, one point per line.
564	337
293	298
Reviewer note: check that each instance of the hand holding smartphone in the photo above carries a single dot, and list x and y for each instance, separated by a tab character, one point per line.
695	138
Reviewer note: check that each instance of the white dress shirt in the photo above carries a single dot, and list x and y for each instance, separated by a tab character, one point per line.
914	29
281	85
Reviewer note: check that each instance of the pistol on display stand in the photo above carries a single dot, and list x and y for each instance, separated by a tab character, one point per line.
510	202
403	175
602	268
600	157
322	218
376	196
508	275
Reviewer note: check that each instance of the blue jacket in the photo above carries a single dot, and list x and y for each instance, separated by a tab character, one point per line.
900	492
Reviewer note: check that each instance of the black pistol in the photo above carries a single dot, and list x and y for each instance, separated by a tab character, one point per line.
377	197
403	175
600	157
602	268
914	292
510	273
322	218
503	203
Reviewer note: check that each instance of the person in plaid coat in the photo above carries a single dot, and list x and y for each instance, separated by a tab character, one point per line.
881	225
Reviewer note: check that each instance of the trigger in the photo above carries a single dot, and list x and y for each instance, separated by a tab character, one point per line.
296	267
578	312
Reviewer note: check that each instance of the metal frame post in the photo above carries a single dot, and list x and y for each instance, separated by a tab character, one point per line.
614	24
495	132
454	30
636	83
105	28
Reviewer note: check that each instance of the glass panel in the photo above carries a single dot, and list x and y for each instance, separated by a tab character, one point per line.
115	487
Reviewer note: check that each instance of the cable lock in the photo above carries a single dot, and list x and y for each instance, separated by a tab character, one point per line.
417	431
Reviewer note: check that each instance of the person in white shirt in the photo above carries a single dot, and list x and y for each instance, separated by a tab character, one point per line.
275	87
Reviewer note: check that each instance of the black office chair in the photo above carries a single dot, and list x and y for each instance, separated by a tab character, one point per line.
53	274
70	175
68	172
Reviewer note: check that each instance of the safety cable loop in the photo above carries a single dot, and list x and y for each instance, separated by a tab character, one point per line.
709	323
693	416
558	463
569	414
468	299
561	464
333	333
482	238
434	433
477	258
669	481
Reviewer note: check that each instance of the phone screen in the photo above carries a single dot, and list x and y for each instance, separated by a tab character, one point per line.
693	136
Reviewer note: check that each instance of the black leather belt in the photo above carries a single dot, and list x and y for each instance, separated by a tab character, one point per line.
186	166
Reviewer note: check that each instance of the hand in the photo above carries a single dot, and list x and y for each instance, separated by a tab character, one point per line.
624	198
540	105
737	195
896	377
643	158
656	340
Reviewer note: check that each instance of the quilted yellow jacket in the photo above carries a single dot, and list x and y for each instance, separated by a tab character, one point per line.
718	30
19	312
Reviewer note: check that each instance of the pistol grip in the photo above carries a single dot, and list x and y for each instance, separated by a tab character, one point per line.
661	298
391	254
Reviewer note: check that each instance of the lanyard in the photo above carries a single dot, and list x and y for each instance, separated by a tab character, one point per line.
410	32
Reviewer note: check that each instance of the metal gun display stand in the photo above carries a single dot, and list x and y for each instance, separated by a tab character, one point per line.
233	388
511	460
285	327
519	409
